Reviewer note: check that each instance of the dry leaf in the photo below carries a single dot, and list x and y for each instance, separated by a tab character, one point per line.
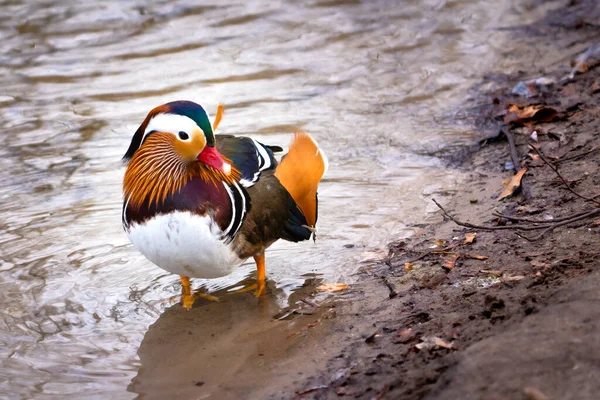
332	287
431	342
404	336
528	114
513	185
408	266
405	332
582	67
476	256
469	238
494	272
525	112
443	343
450	261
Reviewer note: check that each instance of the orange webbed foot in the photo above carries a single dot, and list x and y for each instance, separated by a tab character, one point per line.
188	298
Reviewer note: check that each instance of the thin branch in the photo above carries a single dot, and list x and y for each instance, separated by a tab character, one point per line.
546	226
514	155
585	153
538	221
491	228
592	213
564	181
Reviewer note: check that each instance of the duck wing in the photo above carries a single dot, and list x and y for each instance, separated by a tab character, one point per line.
249	156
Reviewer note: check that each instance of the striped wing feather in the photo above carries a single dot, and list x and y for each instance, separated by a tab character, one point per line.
249	156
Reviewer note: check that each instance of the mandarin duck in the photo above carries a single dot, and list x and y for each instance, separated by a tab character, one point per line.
198	204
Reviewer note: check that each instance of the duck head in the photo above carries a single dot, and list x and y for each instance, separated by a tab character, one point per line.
175	143
191	129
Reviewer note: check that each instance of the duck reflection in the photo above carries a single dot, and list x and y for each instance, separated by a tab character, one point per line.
223	349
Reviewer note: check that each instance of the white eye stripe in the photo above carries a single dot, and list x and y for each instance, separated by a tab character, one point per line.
172	123
264	160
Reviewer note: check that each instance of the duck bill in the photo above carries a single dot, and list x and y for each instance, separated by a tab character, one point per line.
210	156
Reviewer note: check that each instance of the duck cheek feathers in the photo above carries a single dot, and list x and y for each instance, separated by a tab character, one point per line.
190	150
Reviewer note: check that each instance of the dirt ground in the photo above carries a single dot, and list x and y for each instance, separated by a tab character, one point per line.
512	312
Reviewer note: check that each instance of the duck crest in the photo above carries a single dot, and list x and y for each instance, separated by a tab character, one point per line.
155	172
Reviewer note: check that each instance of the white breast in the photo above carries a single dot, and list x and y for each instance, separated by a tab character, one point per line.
185	244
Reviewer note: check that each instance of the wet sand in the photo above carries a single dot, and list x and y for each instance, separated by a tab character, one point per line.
239	347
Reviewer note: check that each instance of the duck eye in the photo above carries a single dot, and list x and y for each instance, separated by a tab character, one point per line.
183	135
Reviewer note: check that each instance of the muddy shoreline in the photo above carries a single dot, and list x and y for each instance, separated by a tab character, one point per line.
446	316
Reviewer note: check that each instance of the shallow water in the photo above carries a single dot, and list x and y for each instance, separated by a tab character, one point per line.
375	82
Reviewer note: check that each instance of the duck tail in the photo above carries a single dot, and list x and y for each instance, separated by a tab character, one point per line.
300	171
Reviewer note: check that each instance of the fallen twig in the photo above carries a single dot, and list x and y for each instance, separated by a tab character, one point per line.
585	153
564	181
592	213
310	303
547	226
489	228
539	221
514	155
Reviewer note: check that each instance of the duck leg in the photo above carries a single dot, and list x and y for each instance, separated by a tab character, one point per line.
261	277
261	274
187	297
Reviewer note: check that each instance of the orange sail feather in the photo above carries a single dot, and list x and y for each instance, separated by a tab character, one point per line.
300	172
